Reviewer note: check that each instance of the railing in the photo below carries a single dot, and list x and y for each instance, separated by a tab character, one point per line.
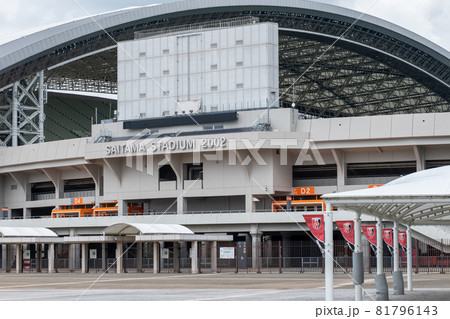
429	264
86	193
42	196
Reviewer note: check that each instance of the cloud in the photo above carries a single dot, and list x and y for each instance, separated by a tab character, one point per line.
430	18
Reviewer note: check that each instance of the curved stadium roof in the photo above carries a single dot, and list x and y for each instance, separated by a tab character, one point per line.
375	68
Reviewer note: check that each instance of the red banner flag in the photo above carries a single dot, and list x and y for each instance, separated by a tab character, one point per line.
315	224
402	238
388	236
370	231
346	228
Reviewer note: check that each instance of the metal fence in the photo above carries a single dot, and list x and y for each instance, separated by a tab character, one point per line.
278	256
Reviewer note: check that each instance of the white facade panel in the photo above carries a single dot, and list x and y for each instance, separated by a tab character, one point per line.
225	69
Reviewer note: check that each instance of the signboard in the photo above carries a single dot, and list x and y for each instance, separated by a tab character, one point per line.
388	236
27	264
4	212
165	253
315	225
370	231
76	201
226	253
26	254
402	238
346	228
375	186
304	191
92	253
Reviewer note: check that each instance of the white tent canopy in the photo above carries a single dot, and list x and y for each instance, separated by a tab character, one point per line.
145	229
26	232
421	198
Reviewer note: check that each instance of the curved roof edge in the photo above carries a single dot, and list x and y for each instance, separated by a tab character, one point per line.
30	45
145	229
429	183
26	232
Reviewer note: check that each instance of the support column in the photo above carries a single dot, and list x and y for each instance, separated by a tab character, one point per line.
41	107
155	257
104	257
14	115
84	258
139	257
119	257
194	257
380	278
51	258
122	208
3	265
397	274
176	257
214	257
379	246
329	275
19	258
39	257
8	258
256	249
181	204
358	264
409	257
250	205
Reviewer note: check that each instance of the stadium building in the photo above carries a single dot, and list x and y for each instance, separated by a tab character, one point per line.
218	118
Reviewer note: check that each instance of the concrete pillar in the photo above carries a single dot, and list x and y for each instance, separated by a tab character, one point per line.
250	205
256	249
329	262
409	257
3	257
381	285
122	207
156	258
39	257
84	258
139	256
181	204
51	258
8	258
379	246
214	256
119	257
339	158
395	248
26	213
19	259
104	257
176	257
194	257
358	249
72	249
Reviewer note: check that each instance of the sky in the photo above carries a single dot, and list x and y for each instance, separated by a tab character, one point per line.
428	18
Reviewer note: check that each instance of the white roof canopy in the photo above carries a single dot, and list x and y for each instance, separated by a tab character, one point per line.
421	198
145	229
26	232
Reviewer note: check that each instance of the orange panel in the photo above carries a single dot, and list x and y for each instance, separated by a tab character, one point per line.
304	191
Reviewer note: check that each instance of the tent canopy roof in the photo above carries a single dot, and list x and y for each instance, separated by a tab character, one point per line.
26	232
421	198
145	229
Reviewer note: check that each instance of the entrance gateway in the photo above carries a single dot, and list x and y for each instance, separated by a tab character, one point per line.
118	234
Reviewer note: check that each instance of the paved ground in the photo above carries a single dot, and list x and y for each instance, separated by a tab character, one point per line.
223	286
